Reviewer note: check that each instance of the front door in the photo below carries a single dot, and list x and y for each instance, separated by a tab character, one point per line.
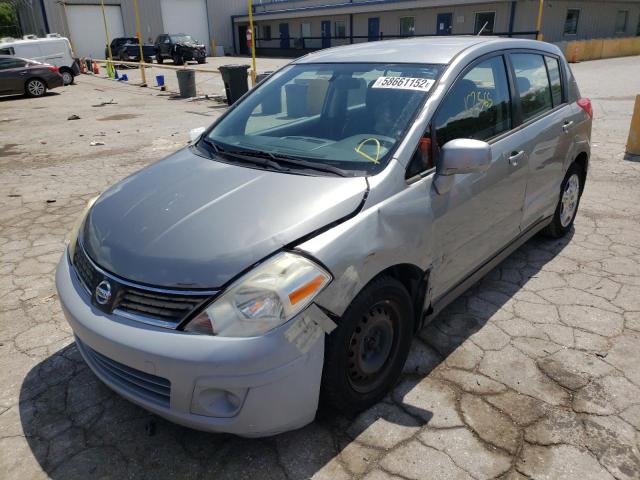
13	72
443	26
284	35
480	214
326	33
374	29
242	38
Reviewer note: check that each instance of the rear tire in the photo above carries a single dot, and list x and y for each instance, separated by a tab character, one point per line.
35	88
365	354
567	208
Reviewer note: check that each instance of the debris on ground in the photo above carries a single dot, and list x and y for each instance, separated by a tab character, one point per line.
51	201
73	117
102	104
95	143
43	142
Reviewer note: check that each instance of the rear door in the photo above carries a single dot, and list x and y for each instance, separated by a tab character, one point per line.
542	106
481	213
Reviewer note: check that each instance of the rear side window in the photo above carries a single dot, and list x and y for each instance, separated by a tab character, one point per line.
533	84
553	67
478	106
7	51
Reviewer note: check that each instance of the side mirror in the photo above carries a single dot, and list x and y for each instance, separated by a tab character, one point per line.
195	134
461	155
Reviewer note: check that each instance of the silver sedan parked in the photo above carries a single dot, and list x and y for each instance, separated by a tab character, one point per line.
289	254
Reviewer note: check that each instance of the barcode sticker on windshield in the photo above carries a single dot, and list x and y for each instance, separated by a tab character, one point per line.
404	83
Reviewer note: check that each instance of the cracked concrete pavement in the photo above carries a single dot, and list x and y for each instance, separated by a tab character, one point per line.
533	373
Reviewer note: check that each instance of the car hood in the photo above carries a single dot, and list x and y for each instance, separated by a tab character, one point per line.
190	44
188	221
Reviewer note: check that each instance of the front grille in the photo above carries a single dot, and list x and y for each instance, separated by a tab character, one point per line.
140	384
150	305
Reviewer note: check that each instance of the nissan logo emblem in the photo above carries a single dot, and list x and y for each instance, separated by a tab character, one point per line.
103	292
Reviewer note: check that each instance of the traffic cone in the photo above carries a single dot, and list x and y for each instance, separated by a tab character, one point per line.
96	69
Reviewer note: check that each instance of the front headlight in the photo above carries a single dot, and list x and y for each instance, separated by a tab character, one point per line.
73	239
265	298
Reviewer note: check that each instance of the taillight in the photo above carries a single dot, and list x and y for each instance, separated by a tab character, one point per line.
52	68
585	104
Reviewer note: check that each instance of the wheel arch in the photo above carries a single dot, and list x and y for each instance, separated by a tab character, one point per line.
582	161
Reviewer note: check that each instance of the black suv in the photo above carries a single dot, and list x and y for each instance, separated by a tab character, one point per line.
180	48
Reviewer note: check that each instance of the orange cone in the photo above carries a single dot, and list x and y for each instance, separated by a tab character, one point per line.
96	69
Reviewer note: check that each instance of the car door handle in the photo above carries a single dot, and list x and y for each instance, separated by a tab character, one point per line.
23	73
566	126
515	157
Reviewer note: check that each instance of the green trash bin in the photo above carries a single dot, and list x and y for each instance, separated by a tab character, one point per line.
235	81
186	83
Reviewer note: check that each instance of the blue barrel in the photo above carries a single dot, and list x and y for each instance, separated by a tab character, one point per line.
160	80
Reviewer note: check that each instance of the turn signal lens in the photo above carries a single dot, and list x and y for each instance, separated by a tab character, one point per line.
306	290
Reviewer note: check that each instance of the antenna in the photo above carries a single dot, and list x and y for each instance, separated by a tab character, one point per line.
482	29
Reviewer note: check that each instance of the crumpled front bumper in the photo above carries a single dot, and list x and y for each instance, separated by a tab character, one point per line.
247	386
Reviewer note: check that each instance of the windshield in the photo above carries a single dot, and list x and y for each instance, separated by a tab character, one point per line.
349	116
182	38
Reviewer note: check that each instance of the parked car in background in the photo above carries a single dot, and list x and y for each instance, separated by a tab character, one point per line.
52	50
180	48
127	49
291	252
21	75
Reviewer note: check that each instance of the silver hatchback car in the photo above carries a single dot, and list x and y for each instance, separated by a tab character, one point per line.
291	251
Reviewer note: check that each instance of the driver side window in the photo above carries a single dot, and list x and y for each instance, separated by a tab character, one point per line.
478	106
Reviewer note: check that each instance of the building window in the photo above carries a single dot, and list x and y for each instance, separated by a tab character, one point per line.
305	30
266	32
486	20
571	21
341	29
621	21
407	26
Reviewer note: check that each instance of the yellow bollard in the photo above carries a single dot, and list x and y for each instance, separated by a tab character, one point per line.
633	142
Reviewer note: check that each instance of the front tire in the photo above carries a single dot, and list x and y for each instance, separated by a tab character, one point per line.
67	77
178	59
567	208
365	355
159	58
35	88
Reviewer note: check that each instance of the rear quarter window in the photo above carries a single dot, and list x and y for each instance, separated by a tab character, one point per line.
553	69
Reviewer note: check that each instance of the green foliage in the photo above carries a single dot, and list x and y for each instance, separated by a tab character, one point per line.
7	14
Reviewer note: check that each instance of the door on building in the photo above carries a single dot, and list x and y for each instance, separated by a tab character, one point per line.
187	16
242	39
326	33
284	35
443	26
86	27
374	29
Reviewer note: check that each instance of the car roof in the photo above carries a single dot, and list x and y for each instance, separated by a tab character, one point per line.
27	41
434	50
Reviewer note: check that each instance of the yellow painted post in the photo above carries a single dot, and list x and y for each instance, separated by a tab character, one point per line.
539	21
110	69
213	47
633	142
253	45
142	72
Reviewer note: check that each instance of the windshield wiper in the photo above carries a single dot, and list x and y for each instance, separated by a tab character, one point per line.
246	156
293	161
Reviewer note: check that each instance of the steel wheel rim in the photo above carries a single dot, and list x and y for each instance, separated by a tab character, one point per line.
36	88
569	200
371	346
66	78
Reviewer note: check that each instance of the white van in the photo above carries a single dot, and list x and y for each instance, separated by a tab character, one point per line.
54	50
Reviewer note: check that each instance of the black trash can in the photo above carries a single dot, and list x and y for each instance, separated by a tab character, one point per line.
235	81
296	94
186	83
263	76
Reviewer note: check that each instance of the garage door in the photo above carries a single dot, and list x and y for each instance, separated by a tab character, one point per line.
186	16
87	28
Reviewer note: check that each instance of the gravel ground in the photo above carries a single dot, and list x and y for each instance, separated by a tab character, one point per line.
534	373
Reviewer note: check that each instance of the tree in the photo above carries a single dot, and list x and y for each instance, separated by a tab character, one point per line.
8	15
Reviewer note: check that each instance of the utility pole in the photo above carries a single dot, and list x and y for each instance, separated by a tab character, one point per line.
106	34
139	35
253	45
539	22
